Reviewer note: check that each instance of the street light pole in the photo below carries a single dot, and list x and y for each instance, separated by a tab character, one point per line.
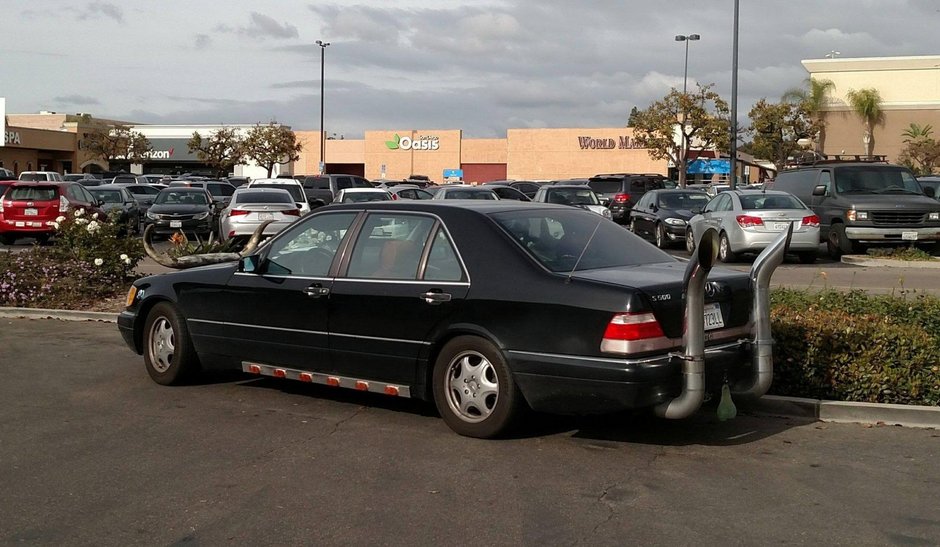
683	163
323	46
734	101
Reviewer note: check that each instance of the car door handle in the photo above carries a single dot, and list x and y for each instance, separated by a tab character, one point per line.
316	291
436	297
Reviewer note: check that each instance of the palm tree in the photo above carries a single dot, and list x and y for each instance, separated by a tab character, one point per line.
917	132
867	104
812	98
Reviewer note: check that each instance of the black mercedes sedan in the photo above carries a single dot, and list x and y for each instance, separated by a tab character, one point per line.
187	210
483	307
662	215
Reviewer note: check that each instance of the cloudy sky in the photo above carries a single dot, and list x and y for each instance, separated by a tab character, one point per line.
478	65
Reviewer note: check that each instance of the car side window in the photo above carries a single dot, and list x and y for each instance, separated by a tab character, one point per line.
725	203
390	246
638	186
343	182
309	249
825	179
361	183
712	205
86	195
442	264
421	194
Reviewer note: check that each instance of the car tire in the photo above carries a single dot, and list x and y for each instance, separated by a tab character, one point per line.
808	257
660	236
473	388
169	355
7	239
725	253
837	243
689	241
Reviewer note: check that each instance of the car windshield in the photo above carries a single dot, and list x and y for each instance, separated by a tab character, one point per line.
682	200
294	190
770	201
557	238
460	193
107	196
875	179
143	190
175	197
263	197
32	193
572	196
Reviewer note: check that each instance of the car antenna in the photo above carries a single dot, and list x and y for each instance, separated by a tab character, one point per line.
584	250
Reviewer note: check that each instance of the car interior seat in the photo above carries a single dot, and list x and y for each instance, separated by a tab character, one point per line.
398	259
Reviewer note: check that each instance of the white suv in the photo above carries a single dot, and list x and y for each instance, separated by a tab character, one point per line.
295	188
40	176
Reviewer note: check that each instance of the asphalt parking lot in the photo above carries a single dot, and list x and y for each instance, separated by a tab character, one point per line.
93	452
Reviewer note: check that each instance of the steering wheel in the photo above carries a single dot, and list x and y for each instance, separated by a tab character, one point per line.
314	259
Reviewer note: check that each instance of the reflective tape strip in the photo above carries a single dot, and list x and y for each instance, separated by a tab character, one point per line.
394	390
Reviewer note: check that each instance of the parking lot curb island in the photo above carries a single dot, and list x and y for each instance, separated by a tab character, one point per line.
849	412
64	315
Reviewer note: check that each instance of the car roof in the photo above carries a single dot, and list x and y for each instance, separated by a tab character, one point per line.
434	206
567	187
184	189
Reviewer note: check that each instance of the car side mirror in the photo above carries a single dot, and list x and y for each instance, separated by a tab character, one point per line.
99	202
697	210
820	190
653	207
930	192
250	264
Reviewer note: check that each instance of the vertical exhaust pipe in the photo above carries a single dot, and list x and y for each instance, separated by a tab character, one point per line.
693	360
762	360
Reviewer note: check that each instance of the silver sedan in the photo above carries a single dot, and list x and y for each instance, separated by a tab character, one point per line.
252	205
749	220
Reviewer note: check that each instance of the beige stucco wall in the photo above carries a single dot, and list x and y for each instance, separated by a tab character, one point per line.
559	153
403	163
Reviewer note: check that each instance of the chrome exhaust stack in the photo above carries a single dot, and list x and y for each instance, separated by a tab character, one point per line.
762	353
693	360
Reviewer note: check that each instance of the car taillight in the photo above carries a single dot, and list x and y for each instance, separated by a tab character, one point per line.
811	220
237	212
633	326
292	212
63	204
394	196
621	198
747	221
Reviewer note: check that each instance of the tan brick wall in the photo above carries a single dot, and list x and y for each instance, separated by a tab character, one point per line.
403	163
845	130
484	151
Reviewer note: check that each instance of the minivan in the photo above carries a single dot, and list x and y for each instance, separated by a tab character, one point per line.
620	191
861	202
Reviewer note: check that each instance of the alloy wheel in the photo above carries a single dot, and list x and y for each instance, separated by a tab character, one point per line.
472	386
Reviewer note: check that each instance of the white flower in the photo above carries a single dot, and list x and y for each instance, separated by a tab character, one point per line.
95	216
81	221
124	257
60	218
92	227
54	225
127	260
79	212
99	261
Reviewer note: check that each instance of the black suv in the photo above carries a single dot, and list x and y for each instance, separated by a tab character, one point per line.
863	201
620	191
321	189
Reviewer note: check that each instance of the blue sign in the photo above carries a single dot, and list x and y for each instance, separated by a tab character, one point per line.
702	166
453	173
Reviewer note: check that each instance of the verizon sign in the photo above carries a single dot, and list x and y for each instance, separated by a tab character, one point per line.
622	143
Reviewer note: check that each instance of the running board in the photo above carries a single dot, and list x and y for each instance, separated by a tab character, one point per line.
394	390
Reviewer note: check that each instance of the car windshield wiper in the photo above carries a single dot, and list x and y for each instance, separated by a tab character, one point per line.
895	190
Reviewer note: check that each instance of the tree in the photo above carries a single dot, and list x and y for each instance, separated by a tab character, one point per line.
812	98
922	152
118	142
632	119
776	127
223	150
272	144
706	126
915	132
866	103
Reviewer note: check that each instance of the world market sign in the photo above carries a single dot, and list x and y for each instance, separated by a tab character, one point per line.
623	143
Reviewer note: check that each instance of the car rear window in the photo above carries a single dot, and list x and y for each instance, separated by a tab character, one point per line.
770	201
295	191
32	193
317	183
33	176
107	196
605	186
264	197
558	238
471	194
572	196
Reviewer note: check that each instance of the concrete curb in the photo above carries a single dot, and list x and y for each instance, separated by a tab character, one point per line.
865	260
849	412
62	315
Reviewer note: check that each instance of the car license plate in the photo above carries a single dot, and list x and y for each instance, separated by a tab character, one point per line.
713	319
781	226
176	224
31	212
265	216
909	236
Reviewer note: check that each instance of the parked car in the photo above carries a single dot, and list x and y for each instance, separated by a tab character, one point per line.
49	176
238	181
86	179
860	203
156	178
250	207
408	191
128	178
119	205
527	187
931	186
508	192
293	186
620	191
573	195
569	182
322	189
29	208
143	193
6	174
662	215
411	299
182	209
220	191
357	195
749	220
462	191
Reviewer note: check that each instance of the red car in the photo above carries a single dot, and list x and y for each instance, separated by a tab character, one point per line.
28	209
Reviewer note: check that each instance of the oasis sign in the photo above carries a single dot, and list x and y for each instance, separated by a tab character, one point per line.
417	143
623	143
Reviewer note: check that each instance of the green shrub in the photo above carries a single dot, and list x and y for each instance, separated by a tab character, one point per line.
900	253
856	347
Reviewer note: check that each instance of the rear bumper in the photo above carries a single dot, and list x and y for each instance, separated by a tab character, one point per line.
806	240
230	230
568	384
26	226
868	233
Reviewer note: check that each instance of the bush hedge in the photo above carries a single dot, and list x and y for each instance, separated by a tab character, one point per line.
854	346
